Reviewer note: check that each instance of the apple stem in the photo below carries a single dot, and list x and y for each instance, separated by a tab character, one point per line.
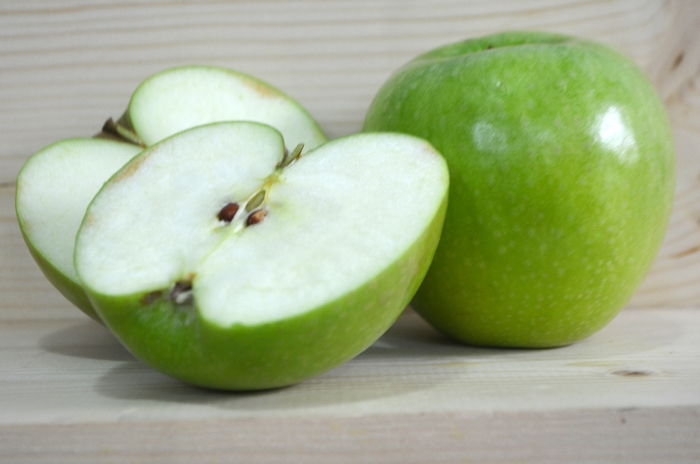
122	133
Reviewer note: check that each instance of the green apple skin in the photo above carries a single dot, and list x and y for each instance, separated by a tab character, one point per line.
70	289
561	183
185	346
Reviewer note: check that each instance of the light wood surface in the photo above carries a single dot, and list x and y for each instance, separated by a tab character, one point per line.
70	393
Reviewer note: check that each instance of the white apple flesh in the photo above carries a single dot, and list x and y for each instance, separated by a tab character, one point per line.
315	261
180	98
53	190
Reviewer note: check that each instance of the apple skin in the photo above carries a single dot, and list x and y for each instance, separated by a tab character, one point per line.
185	346
561	183
66	286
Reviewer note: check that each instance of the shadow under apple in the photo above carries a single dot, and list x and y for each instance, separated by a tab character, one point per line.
85	339
410	357
378	372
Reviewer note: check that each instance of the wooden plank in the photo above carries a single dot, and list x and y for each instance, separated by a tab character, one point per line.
65	66
70	393
74	371
635	436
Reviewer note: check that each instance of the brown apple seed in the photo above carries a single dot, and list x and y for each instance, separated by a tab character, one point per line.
256	217
228	212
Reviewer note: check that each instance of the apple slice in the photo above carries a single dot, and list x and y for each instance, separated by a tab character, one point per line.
56	185
220	260
180	98
53	190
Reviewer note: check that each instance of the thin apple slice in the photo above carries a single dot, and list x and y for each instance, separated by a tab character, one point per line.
221	262
180	98
53	190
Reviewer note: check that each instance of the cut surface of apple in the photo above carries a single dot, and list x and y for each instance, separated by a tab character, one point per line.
59	181
180	98
53	190
221	261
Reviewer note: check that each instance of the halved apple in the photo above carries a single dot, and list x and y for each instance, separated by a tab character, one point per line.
57	183
222	260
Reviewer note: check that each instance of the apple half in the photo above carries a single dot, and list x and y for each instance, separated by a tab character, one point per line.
224	261
56	184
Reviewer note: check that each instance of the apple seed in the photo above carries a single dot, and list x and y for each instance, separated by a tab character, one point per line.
256	217
228	212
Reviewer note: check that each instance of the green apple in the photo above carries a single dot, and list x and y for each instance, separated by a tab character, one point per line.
561	183
220	260
56	184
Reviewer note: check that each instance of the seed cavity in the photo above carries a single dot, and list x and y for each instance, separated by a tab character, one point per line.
256	201
289	158
256	217
228	212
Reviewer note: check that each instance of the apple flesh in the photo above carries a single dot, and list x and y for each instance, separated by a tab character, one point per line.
249	268
561	183
181	98
53	190
56	184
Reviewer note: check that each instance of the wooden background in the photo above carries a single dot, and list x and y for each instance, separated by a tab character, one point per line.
67	65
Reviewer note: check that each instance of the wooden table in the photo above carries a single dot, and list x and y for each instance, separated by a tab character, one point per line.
70	393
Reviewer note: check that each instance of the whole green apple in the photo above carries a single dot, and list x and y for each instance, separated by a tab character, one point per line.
561	183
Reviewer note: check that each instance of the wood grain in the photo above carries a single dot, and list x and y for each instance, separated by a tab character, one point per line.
635	436
70	393
65	66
